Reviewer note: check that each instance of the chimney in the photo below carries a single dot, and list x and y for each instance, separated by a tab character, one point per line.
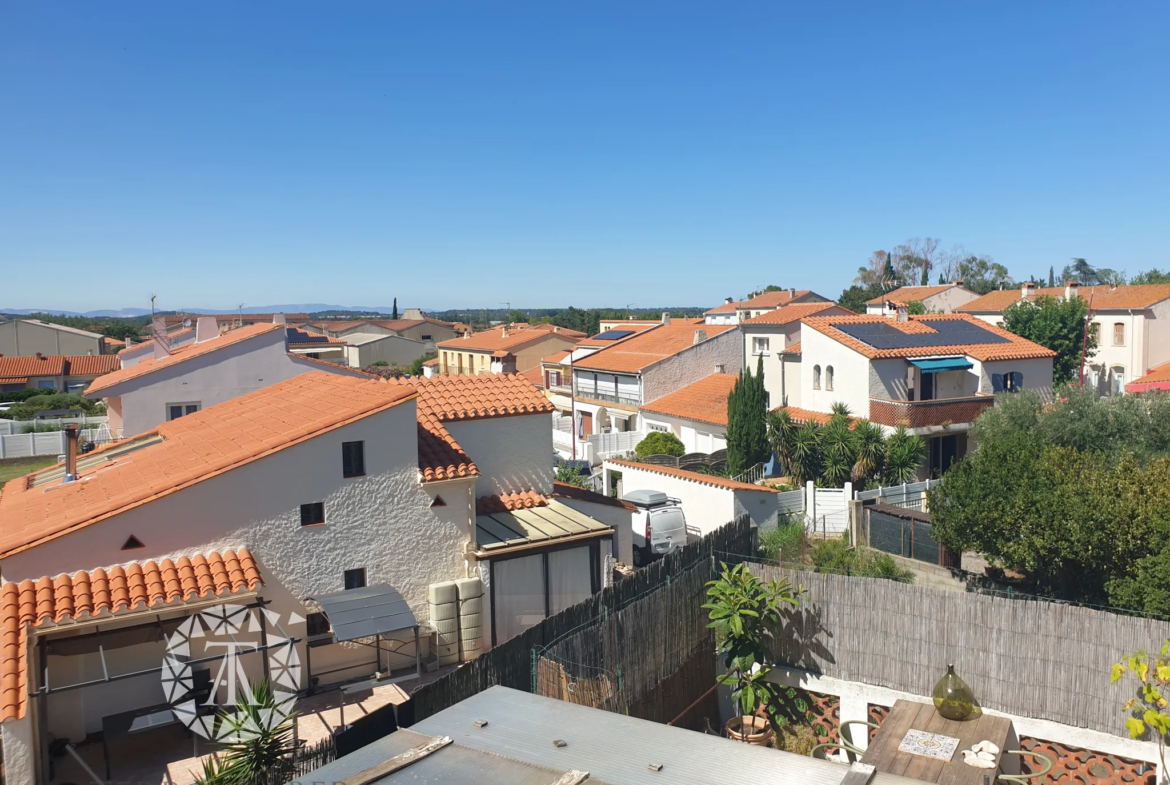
556	329
890	308
206	329
903	312
40	356
72	431
666	317
700	336
728	301
162	342
278	318
958	282
504	332
792	293
1070	290
1028	290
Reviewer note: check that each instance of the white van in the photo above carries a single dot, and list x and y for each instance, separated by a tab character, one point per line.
659	525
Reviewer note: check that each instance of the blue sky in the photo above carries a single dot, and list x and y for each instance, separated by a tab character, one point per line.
546	154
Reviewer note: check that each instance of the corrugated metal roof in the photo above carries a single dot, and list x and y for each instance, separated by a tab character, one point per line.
613	748
502	530
366	612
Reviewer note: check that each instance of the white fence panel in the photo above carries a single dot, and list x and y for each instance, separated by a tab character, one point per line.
830	513
49	443
791	502
912	494
608	445
28	445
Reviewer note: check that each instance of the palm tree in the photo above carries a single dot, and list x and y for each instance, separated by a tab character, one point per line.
838	451
781	428
871	452
904	454
805	455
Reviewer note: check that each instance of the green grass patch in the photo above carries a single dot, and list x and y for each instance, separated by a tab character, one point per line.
18	467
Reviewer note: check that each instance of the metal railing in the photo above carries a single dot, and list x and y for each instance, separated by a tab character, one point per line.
924	414
752	476
626	400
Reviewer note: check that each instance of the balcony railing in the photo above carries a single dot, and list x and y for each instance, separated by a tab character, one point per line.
925	414
624	400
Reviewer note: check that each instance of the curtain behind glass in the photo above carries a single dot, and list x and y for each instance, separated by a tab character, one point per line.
569	578
519	597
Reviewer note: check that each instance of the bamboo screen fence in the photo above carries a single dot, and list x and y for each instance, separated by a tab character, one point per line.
1033	658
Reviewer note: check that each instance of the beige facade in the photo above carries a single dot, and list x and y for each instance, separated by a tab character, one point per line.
520	356
28	337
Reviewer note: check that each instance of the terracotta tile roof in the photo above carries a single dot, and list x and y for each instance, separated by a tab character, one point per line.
87	594
730	307
807	415
193	448
452	398
439	456
909	294
795	312
793	349
397	325
339	326
112	343
703	401
633	329
486	505
57	365
534	375
563	490
774	299
702	479
556	358
495	341
1157	379
1015	348
434	361
648	347
552	328
151	365
1104	297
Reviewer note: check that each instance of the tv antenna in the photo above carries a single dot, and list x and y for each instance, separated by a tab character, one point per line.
628	307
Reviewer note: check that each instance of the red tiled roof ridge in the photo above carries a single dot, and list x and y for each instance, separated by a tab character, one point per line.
791	313
88	593
913	293
703	479
1104	297
455	398
494	340
650	346
507	502
703	401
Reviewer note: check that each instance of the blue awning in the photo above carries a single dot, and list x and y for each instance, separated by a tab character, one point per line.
941	364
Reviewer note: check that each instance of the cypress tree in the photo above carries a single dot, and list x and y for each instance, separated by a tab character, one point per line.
394	313
747	428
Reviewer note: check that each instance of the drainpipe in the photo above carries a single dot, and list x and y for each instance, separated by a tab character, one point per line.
573	405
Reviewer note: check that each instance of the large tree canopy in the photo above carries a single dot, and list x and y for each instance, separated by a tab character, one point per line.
1056	324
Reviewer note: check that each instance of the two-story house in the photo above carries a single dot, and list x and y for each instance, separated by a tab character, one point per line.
280	501
933	374
944	298
69	374
775	337
29	337
770	301
502	349
1131	323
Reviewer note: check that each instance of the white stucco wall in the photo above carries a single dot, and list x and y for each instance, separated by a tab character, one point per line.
850	375
947	301
706	507
20	754
692	364
1037	374
382	522
208	379
513	454
761	506
695	436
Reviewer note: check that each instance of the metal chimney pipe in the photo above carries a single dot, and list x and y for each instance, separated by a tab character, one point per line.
72	432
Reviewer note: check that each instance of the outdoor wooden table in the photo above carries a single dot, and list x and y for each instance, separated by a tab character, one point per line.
884	755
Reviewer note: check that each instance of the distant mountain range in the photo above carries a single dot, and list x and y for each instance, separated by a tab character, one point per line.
132	312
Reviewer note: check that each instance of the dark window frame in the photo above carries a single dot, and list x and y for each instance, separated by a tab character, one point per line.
308	514
353	459
356	572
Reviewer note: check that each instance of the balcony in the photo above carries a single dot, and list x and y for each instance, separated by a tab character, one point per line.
622	400
926	414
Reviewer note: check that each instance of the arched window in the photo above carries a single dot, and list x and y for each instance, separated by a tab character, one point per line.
828	377
1118	374
816	377
1119	334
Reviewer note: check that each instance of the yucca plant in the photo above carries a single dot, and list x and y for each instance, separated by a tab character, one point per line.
871	452
838	451
805	457
258	737
840	409
904	454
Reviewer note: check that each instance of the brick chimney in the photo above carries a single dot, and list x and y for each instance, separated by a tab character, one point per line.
1070	290
1028	290
700	336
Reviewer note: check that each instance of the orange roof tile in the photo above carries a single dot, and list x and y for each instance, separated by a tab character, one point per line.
452	398
1015	348
556	358
439	456
58	365
703	401
1104	297
795	312
793	349
86	594
909	294
495	341
91	364
193	449
730	307
552	328
486	505
1156	379
112	342
702	479
807	415
534	375
775	299
565	491
648	347
151	365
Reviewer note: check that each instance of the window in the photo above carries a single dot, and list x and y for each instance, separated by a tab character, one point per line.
316	624
76	387
426	337
46	384
653	426
353	459
1013	381
312	514
1118	374
816	377
355	578
759	345
177	410
828	377
527	589
1119	334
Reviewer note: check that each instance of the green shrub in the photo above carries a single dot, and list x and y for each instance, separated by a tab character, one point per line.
783	542
54	400
836	556
659	443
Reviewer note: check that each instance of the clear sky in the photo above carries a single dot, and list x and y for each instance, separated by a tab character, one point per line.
467	154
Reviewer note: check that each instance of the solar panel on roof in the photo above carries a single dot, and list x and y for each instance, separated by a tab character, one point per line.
299	336
883	335
614	335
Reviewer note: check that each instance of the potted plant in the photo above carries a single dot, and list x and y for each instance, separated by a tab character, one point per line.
745	613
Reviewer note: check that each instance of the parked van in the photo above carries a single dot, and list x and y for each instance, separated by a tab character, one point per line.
659	525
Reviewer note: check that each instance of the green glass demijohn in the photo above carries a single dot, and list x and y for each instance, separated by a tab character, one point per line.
952	697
